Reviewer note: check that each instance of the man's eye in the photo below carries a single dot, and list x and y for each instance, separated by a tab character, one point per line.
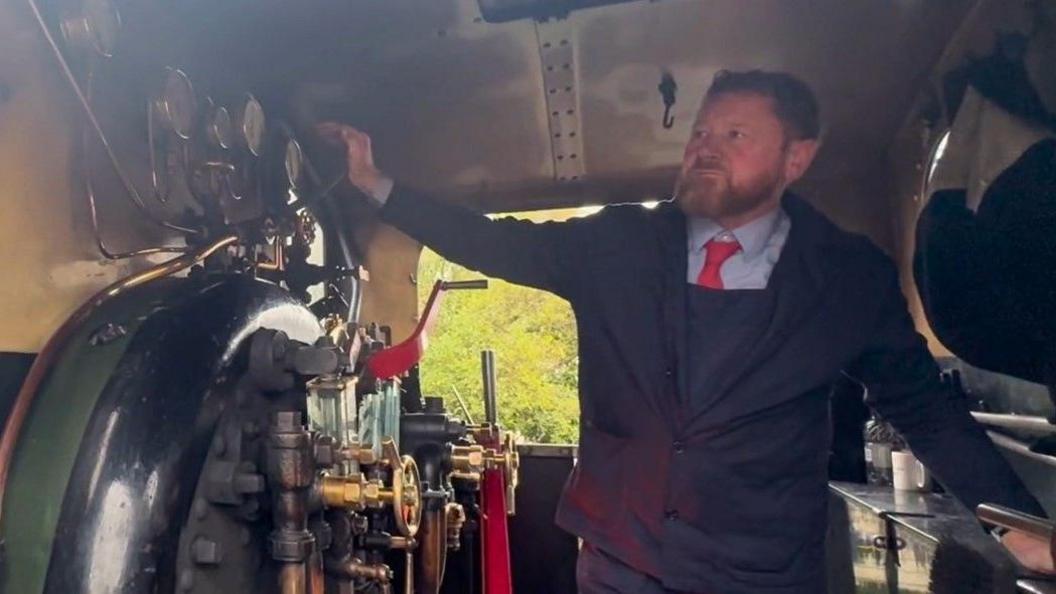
736	134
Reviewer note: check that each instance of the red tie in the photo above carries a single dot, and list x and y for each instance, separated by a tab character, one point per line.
718	253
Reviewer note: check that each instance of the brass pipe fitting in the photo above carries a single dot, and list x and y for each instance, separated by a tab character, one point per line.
468	462
353	492
456	519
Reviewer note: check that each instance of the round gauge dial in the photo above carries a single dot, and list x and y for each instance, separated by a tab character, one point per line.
104	23
177	104
293	162
251	128
219	129
95	29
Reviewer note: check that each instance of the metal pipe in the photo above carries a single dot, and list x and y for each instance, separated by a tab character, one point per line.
1035	587
82	99
1029	423
462	405
487	365
1014	445
42	364
1011	519
292	579
481	283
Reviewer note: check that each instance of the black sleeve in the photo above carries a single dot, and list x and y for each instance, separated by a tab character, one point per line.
540	255
904	387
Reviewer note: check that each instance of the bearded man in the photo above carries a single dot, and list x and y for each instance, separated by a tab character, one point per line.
709	331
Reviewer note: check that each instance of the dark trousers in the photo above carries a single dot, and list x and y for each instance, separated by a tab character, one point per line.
598	572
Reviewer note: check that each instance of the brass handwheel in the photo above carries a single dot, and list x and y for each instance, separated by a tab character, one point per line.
406	490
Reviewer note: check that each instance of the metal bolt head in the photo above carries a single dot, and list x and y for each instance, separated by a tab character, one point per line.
205	551
248	483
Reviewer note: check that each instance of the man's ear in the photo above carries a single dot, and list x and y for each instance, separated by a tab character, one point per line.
800	156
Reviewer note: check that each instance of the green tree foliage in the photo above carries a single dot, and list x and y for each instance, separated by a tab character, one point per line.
533	335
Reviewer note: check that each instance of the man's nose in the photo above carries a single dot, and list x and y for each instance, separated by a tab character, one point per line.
705	149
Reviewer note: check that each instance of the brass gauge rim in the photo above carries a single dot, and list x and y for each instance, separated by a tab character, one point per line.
166	104
251	136
220	130
85	31
293	159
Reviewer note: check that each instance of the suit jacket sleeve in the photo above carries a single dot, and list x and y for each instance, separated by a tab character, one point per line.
904	386
541	255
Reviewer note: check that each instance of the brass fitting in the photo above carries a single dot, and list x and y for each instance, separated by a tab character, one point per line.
361	455
484	433
356	569
508	460
468	462
403	543
456	519
353	492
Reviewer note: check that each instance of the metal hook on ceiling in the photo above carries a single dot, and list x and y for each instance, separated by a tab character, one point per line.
668	88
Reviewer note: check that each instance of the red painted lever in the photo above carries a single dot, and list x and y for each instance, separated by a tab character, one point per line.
399	359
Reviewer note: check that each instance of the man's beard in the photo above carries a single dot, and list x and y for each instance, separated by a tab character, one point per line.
714	197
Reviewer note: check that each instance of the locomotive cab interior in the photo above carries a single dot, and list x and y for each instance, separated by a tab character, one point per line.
209	361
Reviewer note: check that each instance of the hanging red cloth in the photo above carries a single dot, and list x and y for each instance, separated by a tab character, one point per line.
498	577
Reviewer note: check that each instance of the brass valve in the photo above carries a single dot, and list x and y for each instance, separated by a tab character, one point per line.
486	433
375	573
456	519
364	456
406	494
401	543
508	460
468	462
354	492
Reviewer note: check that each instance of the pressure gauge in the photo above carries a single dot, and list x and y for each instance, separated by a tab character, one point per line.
95	29
219	129
177	105
294	159
251	125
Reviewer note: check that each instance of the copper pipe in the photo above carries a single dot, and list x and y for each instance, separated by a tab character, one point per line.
292	579
42	364
315	575
278	264
432	555
408	573
353	568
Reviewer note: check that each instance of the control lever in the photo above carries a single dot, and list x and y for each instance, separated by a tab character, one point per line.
1018	521
399	359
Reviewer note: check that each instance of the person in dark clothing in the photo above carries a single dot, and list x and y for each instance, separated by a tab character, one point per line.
710	329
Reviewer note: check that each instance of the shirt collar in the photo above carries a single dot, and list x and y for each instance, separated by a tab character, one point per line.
753	236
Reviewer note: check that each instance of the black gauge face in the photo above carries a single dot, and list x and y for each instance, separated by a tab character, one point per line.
104	24
177	104
219	129
293	162
251	128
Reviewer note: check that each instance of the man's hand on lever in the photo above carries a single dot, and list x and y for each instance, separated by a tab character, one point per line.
362	172
1030	551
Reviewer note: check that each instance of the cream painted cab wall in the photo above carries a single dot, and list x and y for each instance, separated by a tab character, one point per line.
50	264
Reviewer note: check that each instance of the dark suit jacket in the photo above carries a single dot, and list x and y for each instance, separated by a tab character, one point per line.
730	498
